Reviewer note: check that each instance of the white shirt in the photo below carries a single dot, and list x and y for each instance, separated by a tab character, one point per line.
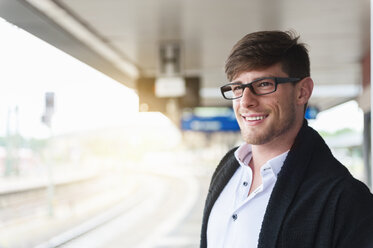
236	217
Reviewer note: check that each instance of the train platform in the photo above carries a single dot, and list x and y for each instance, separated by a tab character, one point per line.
154	205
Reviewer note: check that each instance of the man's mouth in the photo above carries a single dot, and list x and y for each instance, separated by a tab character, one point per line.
255	118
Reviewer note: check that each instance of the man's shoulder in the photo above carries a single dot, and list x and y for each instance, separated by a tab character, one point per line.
322	164
355	190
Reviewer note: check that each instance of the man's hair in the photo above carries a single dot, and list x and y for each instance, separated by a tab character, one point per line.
263	49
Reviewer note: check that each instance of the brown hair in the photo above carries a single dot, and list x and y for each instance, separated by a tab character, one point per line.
263	49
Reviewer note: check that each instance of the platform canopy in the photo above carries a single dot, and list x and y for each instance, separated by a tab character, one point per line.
122	38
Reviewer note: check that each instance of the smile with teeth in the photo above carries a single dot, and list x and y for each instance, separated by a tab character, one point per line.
255	118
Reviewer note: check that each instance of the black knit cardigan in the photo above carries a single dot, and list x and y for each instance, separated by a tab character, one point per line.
315	203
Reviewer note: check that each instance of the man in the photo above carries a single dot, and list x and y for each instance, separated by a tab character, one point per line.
283	187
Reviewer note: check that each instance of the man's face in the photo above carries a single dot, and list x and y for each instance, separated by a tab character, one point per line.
266	118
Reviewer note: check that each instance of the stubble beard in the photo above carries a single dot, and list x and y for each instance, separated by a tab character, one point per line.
271	131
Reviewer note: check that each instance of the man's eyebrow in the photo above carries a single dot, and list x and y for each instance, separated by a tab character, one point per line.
236	82
254	79
267	76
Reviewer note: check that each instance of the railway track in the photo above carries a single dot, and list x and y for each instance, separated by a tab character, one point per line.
141	202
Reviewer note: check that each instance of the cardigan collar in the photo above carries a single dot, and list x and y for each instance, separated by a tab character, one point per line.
289	179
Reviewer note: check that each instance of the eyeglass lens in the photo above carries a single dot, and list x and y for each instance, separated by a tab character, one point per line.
260	87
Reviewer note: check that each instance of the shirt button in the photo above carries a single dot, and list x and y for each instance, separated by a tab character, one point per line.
234	217
245	184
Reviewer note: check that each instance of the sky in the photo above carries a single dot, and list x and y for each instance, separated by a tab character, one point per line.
84	98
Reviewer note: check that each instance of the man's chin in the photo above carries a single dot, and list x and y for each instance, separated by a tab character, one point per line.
256	139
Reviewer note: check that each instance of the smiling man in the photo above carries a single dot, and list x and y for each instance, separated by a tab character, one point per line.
282	187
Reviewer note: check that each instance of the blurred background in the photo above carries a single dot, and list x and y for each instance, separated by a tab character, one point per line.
111	119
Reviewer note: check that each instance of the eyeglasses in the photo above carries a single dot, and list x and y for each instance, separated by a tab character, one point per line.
259	87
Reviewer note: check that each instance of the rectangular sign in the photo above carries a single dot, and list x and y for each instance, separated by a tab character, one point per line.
210	123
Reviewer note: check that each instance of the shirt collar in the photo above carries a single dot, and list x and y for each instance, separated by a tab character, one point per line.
277	162
243	156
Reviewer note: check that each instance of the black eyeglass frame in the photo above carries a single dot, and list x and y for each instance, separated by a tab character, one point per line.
278	80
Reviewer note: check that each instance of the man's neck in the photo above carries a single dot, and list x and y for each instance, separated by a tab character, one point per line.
262	153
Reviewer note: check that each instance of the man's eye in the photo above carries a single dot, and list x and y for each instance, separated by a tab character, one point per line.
236	87
264	84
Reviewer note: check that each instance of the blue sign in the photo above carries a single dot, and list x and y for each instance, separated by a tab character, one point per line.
209	123
311	112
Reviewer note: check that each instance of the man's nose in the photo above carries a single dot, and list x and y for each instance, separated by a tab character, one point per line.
248	98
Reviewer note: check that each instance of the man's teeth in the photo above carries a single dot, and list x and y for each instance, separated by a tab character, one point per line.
255	118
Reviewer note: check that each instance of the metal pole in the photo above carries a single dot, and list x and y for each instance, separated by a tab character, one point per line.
50	187
371	94
366	149
47	120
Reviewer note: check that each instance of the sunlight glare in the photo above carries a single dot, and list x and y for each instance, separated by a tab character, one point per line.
84	97
346	115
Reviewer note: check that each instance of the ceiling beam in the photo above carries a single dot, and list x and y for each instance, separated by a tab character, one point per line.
52	24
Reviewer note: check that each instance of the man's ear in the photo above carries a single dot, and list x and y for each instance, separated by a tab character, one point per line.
304	90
